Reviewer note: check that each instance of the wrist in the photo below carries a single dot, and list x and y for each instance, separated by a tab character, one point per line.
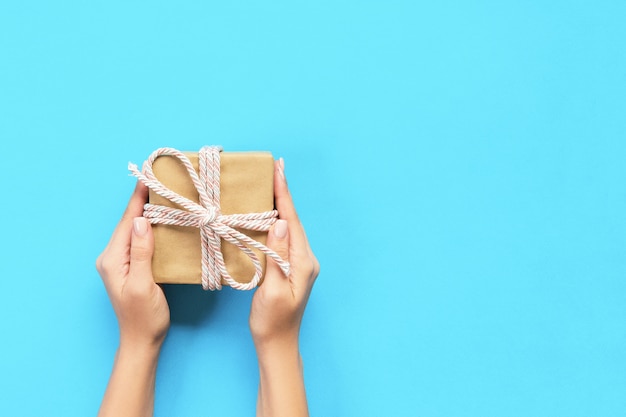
149	350
136	339
272	340
278	350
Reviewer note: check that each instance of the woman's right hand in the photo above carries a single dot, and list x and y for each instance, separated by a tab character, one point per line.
277	309
278	304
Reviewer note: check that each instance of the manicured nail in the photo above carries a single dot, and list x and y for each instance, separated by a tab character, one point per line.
281	167
280	229
140	225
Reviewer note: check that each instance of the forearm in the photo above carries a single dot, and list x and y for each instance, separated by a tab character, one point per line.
130	391
281	386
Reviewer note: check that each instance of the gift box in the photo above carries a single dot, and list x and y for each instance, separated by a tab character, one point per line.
246	186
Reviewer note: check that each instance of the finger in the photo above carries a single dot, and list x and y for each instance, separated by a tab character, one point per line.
286	208
282	196
141	250
278	241
121	235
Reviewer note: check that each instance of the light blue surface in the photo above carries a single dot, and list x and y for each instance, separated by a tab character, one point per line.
459	168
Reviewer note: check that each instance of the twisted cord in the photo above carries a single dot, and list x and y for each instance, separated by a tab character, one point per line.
206	216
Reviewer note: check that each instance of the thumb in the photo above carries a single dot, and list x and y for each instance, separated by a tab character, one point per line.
141	248
278	241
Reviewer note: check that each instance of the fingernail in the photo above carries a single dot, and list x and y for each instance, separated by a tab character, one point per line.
280	229
281	167
140	225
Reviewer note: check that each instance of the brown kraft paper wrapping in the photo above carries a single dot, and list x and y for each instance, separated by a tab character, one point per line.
246	186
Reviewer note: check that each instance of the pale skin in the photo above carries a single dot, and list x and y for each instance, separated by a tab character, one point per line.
144	318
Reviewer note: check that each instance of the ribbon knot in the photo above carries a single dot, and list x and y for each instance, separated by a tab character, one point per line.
206	216
209	217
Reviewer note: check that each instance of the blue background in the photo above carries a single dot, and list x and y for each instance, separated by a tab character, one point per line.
459	168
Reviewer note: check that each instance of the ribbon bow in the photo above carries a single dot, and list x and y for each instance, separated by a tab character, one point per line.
206	216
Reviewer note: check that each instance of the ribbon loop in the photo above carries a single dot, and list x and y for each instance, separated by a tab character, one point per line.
206	216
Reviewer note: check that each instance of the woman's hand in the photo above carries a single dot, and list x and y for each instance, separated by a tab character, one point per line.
277	309
125	266
142	312
278	305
